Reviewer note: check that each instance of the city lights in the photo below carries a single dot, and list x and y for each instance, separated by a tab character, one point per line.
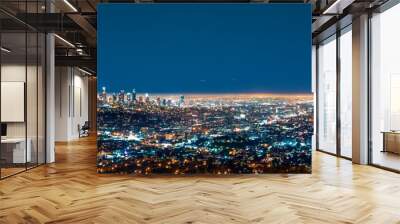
204	133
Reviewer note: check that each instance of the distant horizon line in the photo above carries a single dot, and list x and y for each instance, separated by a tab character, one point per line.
214	93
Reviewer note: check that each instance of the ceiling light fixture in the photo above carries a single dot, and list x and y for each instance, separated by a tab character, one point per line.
5	50
337	7
64	40
70	5
84	71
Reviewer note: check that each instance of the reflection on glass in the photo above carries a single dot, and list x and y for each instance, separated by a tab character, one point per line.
22	92
14	153
327	96
31	100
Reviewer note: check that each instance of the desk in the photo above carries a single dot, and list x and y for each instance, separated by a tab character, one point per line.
13	150
391	141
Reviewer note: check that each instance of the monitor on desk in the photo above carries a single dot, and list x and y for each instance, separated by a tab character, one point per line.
3	130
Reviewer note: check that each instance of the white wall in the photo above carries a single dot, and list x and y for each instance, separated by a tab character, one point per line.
80	110
12	73
71	103
62	82
16	73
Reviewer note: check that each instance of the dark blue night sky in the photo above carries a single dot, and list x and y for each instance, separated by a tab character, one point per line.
205	48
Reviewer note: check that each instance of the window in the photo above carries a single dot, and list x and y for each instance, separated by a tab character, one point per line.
346	93
327	95
385	89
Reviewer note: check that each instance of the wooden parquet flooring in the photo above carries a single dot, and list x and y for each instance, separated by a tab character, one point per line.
70	191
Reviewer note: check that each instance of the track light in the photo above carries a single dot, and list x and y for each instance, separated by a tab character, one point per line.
337	7
5	50
84	71
70	5
64	40
331	7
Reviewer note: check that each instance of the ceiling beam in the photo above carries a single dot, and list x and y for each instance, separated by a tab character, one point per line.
77	61
86	26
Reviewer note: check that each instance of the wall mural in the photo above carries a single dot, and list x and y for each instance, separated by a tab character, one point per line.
204	88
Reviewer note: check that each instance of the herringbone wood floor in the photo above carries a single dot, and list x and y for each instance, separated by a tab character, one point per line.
70	191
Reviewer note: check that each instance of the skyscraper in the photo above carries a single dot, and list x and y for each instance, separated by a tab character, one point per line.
121	96
129	98
181	101
103	97
134	95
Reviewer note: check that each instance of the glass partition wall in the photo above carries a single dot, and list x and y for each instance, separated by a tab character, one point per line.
334	84
385	89
22	98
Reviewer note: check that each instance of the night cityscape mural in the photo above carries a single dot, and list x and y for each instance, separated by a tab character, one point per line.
211	88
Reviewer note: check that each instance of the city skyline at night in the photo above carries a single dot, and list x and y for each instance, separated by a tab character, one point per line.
205	48
204	133
204	89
